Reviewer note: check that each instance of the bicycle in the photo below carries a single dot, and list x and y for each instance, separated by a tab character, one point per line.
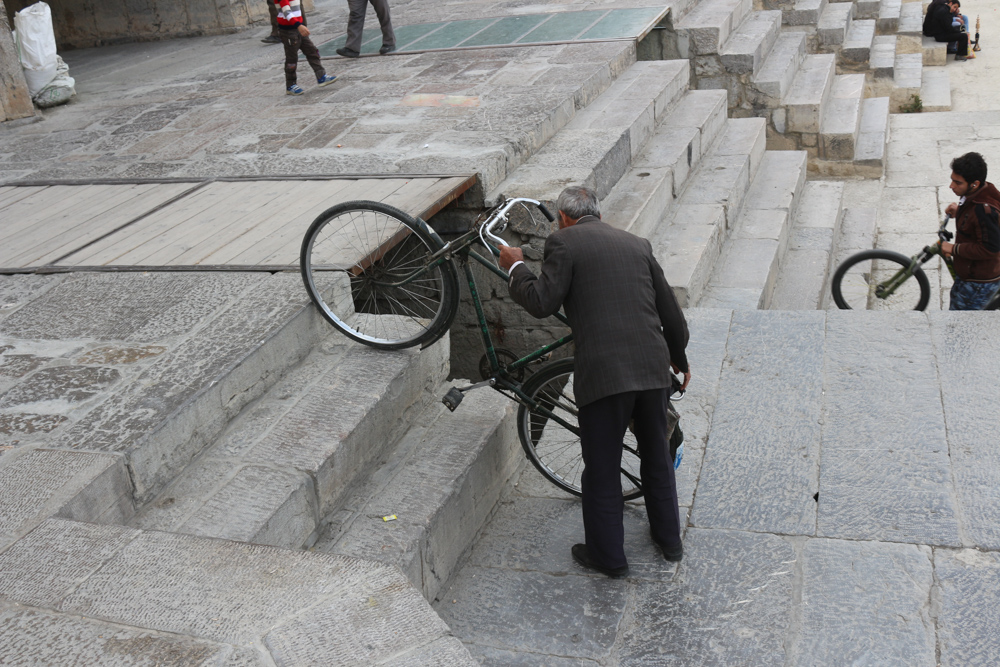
878	279
386	279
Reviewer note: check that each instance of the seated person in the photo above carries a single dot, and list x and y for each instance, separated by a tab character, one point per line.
938	24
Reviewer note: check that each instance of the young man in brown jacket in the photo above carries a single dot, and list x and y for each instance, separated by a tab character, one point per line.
976	250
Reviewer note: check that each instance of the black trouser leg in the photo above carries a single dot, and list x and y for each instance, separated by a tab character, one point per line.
961	38
656	468
602	428
272	9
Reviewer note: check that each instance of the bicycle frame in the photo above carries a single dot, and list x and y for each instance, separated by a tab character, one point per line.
887	288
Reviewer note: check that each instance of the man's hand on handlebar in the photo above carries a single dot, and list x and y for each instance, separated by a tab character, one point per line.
509	255
947	249
687	375
951	209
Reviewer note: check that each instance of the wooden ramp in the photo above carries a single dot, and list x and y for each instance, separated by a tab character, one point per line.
234	224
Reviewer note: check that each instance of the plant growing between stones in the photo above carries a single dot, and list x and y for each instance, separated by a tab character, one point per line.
915	105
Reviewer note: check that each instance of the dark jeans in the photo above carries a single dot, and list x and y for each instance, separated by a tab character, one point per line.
356	23
294	42
967	295
602	429
961	39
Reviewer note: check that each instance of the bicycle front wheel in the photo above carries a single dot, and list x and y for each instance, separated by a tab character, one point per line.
553	443
367	267
860	283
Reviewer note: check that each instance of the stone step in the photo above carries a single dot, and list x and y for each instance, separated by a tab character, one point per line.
802	277
858	228
866	9
441	484
79	593
645	194
841	117
935	89
883	56
745	273
140	395
688	245
291	457
597	146
858	42
780	67
935	53
907	78
911	19
746	48
808	92
888	15
708	26
831	30
805	12
873	134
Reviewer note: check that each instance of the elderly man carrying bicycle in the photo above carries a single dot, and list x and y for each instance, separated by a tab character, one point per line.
629	331
976	250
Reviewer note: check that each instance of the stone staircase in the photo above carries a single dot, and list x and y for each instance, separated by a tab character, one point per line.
816	71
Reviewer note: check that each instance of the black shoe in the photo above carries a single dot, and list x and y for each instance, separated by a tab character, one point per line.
582	556
345	52
672	554
271	39
386	49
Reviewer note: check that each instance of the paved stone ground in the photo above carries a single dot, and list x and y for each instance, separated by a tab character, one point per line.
885	418
841	493
216	106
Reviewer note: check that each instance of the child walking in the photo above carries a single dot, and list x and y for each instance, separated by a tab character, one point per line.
295	36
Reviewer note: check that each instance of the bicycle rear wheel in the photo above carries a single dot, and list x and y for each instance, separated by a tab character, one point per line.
554	447
857	283
366	266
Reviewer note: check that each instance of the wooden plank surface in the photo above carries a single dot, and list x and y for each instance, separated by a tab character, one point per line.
245	223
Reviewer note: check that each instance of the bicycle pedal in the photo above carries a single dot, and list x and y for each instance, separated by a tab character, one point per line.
453	398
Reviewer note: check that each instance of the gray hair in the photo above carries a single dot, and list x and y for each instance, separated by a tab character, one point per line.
577	202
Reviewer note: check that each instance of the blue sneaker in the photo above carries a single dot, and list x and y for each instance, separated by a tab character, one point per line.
326	80
294	90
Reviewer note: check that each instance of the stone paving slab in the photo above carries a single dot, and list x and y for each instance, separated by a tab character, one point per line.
866	602
752	592
966	345
897	457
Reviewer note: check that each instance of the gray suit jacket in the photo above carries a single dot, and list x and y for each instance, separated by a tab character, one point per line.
626	322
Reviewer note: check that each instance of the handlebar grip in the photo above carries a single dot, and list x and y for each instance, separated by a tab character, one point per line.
548	215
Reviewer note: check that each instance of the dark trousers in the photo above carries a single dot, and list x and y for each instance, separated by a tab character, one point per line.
293	43
272	9
961	39
602	429
356	23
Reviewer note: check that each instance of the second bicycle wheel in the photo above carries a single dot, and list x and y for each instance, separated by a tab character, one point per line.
554	447
858	283
366	267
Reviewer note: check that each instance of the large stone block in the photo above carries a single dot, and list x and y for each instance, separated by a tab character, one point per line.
739	613
865	602
760	470
885	472
966	351
967	619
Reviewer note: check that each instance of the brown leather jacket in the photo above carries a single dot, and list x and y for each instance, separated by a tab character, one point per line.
977	236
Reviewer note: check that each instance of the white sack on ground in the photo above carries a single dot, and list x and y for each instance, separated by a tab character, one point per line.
36	45
59	90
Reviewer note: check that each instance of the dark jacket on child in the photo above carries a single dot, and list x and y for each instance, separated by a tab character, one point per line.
977	236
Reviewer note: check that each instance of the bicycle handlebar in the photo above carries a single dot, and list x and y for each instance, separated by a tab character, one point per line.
500	215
